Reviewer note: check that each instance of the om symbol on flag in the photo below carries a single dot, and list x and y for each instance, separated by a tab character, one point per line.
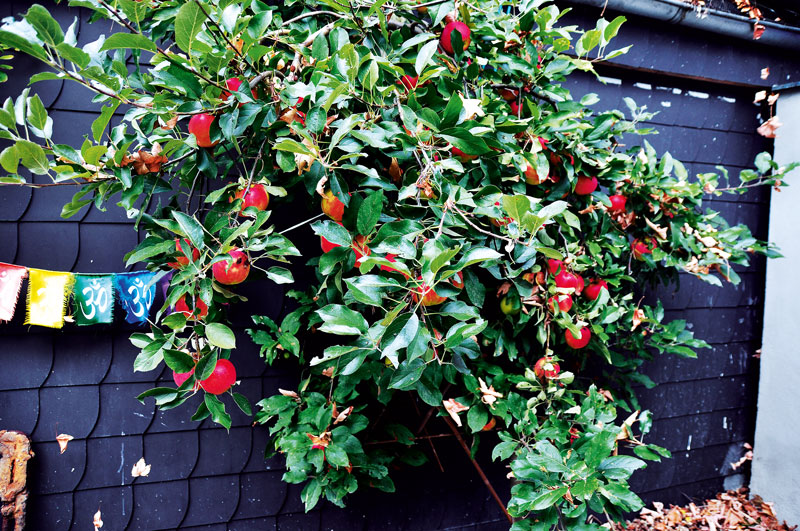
94	299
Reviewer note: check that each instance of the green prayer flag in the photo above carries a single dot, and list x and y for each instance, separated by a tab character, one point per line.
94	299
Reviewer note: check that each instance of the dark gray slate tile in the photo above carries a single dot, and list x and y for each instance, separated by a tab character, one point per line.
254	524
121	413
212	500
71	410
115	505
52	246
80	359
96	255
8	237
178	418
685	398
57	472
223	452
110	460
35	349
19	410
49	513
121	369
173	455
262	494
159	505
299	521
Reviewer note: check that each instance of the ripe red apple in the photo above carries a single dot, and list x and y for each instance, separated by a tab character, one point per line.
585	185
180	377
592	291
459	26
198	311
233	272
546	368
327	245
182	260
579	287
578	342
564	303
200	126
461	155
426	294
554	266
221	379
508	94
409	82
566	279
531	177
256	196
516	106
617	204
643	246
332	206
233	85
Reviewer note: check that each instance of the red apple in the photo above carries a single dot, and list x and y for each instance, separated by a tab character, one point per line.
566	279
256	196
531	177
564	303
579	342
579	287
508	94
643	246
425	295
327	245
585	185
461	155
409	82
516	107
459	26
554	266
199	126
180	377
182	260
332	206
198	311
592	291
546	368
233	272
617	204
222	378
233	85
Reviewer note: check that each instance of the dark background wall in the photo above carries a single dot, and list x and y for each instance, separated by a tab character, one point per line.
80	381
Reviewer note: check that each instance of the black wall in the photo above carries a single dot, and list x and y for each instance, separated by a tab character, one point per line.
80	381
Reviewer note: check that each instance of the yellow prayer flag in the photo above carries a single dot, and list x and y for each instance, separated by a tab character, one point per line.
47	297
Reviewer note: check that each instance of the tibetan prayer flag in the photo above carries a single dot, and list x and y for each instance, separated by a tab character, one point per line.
94	299
136	292
11	277
47	297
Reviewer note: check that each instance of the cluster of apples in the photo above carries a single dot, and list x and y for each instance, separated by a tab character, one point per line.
640	247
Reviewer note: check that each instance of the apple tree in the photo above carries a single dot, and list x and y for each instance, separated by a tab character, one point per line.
484	239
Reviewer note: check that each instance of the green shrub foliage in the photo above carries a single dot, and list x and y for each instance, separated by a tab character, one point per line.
487	217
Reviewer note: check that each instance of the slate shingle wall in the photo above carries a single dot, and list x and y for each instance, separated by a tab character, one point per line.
80	381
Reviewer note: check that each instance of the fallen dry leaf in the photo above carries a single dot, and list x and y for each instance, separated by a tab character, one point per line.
490	396
765	72
773	98
97	520
454	408
768	128
341	417
761	95
63	441
658	229
140	469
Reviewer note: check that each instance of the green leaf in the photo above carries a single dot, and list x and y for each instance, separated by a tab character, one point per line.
220	335
293	146
425	55
101	122
599	447
464	140
12	40
188	23
316	119
178	361
149	249
477	417
548	499
504	450
190	227
37	114
217	410
279	275
336	456
33	157
341	320
9	159
46	26
407	374
333	232
621	496
369	212
73	54
130	41
399	335
243	403
620	466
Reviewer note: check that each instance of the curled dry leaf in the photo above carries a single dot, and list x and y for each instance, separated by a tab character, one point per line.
768	128
773	98
328	372
395	171
490	396
140	469
341	417
638	317
761	95
454	408
145	161
63	441
658	229
321	441
320	188
472	108
290	394
758	31
97	520
765	72
503	289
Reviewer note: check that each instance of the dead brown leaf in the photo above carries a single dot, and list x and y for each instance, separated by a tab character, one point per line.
454	408
97	520
490	396
321	441
768	128
63	441
765	72
140	469
328	372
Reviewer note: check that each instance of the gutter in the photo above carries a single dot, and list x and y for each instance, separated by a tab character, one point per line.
712	20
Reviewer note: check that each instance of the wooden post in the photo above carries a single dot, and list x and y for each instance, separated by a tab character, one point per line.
15	451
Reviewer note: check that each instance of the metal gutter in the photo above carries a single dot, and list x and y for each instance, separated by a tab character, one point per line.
711	20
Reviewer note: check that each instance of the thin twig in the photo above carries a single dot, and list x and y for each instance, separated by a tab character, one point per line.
284	231
478	468
477	228
233	47
312	14
532	92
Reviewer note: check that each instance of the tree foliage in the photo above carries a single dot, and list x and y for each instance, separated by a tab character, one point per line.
481	205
